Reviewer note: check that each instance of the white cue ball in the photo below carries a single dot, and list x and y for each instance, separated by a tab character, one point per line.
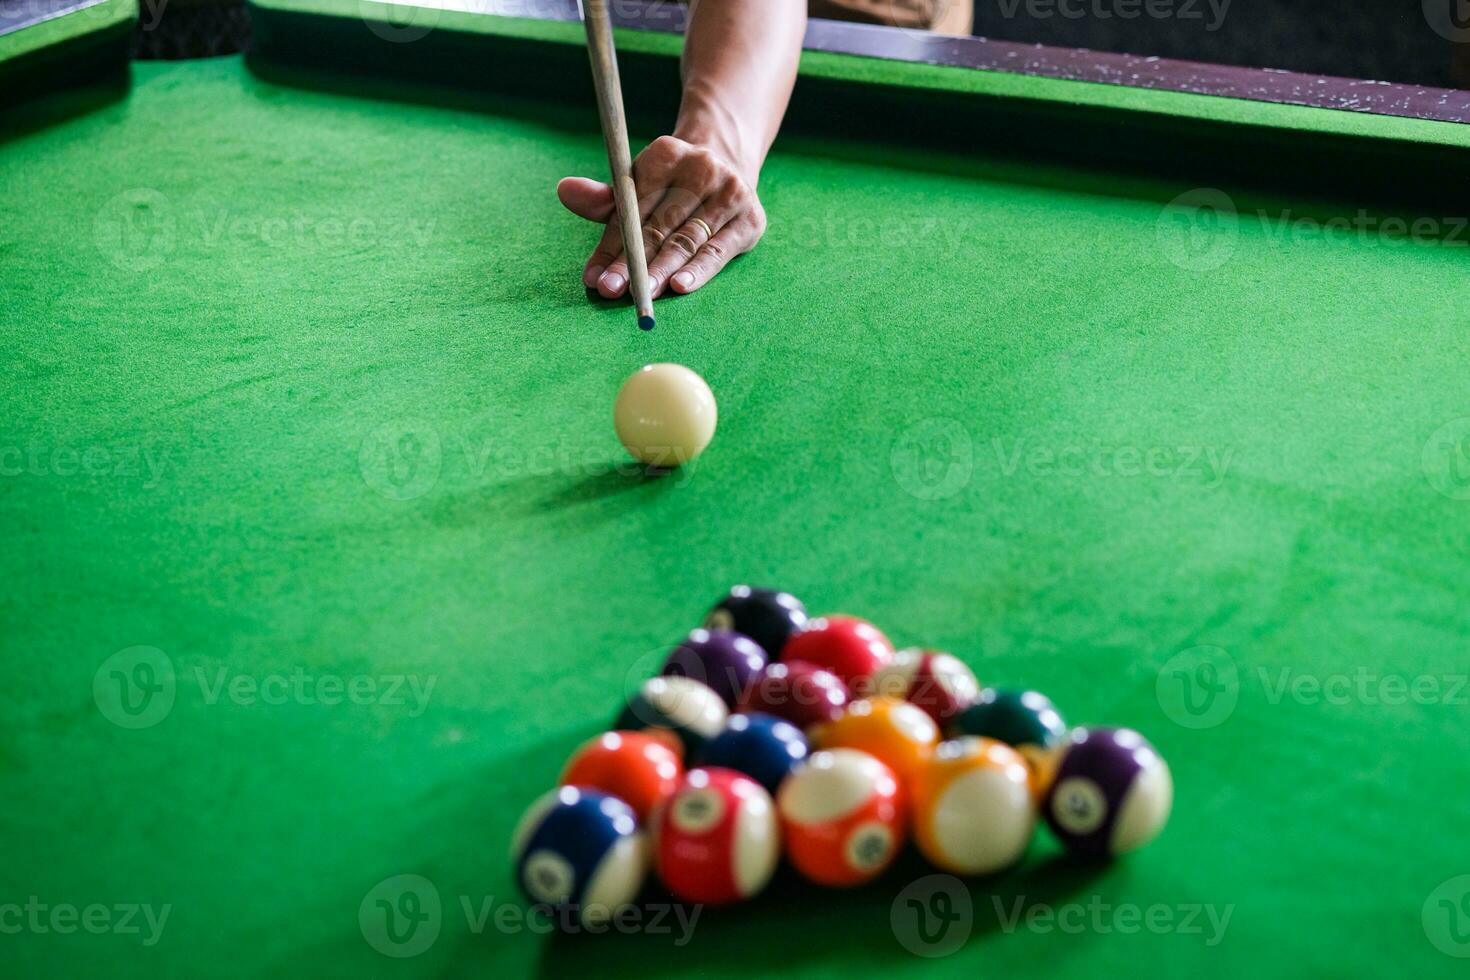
665	415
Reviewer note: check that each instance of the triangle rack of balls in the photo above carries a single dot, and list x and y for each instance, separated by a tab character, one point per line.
769	734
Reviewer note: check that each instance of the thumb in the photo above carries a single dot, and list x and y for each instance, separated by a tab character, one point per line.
591	199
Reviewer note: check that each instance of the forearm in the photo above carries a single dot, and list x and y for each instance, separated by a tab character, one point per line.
740	59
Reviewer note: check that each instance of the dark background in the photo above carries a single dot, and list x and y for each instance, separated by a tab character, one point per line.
1390	40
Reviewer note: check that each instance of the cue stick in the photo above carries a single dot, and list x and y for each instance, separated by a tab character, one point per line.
615	134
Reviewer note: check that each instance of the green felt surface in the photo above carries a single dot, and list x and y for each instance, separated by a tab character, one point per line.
303	384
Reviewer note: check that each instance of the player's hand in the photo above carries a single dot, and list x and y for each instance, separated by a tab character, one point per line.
677	182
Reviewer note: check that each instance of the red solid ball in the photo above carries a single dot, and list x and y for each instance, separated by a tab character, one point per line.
851	648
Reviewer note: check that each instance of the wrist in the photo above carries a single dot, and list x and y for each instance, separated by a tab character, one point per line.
703	122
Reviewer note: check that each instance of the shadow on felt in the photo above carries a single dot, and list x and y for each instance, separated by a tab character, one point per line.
794	921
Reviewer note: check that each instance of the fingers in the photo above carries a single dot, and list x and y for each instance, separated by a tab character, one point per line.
676	183
607	252
653	173
672	212
590	199
736	238
682	245
704	190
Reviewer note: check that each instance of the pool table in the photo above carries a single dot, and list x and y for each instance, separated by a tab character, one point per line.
1135	382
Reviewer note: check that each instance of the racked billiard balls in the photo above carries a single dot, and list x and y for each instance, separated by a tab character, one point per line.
639	769
680	709
853	649
940	683
717	840
579	853
843	817
665	415
1110	792
762	746
798	692
898	734
973	809
768	616
1025	720
723	660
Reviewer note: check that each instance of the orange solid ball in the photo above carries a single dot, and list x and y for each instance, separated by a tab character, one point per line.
900	735
638	768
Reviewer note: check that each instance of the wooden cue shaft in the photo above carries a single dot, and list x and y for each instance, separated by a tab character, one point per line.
615	134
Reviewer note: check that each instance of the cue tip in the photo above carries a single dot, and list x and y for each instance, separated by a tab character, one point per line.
645	321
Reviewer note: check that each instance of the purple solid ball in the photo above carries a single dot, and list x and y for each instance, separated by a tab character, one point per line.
723	660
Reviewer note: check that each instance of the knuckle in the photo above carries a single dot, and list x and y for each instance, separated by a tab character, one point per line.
717	252
665	146
683	242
